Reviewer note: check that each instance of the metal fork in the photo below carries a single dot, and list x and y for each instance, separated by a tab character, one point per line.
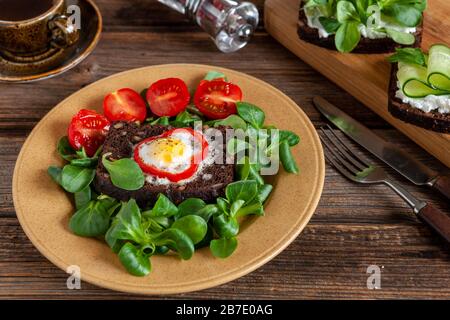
357	169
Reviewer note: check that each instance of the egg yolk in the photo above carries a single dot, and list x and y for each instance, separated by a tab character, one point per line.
166	149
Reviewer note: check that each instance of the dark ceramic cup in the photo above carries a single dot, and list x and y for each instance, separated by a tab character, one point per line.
38	35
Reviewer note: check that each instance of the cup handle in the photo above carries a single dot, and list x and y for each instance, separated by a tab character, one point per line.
63	32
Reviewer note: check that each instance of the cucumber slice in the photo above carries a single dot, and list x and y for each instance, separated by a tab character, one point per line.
413	81
438	75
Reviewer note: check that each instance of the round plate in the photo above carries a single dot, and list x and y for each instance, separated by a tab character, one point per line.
44	209
91	28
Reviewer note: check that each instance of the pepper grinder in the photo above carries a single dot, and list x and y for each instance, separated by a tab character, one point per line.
230	23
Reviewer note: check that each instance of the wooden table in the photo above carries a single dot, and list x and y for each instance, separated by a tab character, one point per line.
354	226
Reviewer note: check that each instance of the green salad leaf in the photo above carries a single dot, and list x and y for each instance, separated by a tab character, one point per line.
406	12
190	206
184	119
164	207
409	56
347	36
125	173
249	171
232	121
346	11
75	179
136	261
251	114
241	190
176	240
292	138
65	150
55	173
264	192
225	225
287	159
401	37
127	225
223	247
211	75
196	206
93	219
164	121
82	197
329	24
193	226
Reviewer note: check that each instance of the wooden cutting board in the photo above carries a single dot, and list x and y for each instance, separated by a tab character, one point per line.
366	77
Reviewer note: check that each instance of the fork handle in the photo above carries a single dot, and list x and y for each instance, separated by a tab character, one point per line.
442	184
432	216
436	219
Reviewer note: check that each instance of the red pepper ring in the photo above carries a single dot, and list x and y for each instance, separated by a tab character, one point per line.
194	160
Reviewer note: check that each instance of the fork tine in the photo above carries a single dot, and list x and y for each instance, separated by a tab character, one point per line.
342	149
336	164
337	155
346	145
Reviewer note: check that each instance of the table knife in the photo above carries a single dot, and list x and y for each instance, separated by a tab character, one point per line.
401	161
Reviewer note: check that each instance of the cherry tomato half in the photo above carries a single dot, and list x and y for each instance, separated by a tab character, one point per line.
168	97
124	104
158	168
217	99
88	129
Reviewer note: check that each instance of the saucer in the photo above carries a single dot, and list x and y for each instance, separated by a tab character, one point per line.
91	27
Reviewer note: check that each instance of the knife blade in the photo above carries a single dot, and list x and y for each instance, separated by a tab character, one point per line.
403	162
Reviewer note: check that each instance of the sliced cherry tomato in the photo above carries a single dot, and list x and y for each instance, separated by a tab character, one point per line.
151	165
168	97
88	129
216	79
217	98
124	104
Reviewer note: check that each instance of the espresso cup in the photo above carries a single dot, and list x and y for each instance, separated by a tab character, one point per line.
36	35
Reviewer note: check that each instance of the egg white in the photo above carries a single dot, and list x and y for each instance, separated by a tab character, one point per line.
170	154
208	160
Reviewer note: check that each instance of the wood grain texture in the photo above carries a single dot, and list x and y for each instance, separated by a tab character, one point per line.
365	76
353	227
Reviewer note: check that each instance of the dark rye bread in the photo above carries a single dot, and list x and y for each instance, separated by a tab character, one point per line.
365	45
433	120
120	140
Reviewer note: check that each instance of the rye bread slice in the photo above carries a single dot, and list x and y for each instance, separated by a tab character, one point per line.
120	140
365	45
433	120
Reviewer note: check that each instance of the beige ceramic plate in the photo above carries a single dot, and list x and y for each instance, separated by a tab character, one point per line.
44	209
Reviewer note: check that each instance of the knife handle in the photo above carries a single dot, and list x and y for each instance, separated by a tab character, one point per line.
442	184
436	219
